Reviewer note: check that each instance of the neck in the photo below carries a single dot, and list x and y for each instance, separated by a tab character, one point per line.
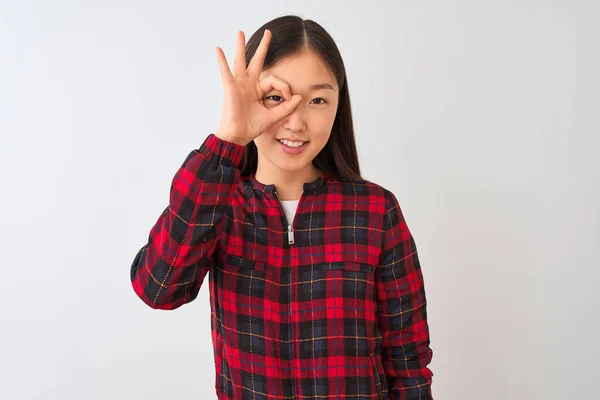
288	184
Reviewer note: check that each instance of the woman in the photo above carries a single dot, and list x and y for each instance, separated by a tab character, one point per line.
316	289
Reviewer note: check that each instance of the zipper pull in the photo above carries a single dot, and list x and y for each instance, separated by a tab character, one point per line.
290	235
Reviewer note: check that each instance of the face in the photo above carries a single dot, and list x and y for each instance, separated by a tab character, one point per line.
310	121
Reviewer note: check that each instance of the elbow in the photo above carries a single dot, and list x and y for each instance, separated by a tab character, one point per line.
156	302
160	294
144	285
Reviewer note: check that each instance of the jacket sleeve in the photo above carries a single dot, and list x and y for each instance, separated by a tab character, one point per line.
169	269
402	314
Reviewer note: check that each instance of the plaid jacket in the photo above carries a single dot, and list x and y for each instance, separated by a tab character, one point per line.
329	306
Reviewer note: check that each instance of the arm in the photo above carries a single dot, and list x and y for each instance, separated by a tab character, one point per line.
402	315
169	269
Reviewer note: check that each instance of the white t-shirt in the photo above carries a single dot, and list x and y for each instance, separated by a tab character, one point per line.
290	206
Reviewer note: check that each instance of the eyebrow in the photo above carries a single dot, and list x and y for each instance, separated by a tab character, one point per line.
321	86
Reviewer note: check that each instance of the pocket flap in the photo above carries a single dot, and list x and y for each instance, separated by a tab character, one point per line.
241	262
346	266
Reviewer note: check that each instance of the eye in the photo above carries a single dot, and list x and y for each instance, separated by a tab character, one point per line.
270	97
320	98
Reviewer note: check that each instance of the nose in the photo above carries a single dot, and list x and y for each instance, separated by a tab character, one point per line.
296	120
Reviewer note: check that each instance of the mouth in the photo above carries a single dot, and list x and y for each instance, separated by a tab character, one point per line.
292	147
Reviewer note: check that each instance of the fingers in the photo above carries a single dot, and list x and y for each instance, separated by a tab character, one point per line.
239	63
285	108
226	75
271	82
256	64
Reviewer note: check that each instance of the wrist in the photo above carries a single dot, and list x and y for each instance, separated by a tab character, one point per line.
231	138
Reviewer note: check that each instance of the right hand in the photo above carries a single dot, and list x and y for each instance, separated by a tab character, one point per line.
244	117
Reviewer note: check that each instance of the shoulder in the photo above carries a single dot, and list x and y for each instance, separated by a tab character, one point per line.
381	199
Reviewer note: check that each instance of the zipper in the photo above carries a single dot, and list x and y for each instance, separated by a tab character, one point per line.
290	234
290	227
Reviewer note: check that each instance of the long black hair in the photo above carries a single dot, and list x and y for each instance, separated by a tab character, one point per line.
291	35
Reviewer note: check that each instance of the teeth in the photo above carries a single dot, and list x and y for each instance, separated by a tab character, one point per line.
291	144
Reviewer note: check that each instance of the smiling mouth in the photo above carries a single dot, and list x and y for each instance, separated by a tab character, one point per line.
293	147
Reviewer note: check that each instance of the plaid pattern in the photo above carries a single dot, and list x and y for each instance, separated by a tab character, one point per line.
340	313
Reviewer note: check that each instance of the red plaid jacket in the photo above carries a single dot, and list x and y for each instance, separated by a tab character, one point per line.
329	306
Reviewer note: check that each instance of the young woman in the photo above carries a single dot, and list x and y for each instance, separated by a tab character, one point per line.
316	290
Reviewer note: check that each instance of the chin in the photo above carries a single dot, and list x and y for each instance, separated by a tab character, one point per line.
291	166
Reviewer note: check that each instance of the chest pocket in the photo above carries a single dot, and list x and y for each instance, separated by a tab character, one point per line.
241	277
241	265
346	268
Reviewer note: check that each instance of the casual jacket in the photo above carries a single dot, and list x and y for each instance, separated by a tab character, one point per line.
330	305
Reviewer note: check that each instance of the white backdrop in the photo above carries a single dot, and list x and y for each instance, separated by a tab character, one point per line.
482	117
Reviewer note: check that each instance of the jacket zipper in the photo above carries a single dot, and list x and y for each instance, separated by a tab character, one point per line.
290	227
290	234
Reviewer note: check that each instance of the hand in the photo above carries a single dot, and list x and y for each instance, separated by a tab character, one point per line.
244	117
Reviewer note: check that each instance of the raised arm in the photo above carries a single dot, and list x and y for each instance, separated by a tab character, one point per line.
169	269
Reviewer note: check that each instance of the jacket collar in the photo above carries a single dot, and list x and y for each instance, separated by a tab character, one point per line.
308	186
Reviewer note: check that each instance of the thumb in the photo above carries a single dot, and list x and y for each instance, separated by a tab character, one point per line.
285	108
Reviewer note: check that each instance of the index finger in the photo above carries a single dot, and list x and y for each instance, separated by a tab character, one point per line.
258	59
239	63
